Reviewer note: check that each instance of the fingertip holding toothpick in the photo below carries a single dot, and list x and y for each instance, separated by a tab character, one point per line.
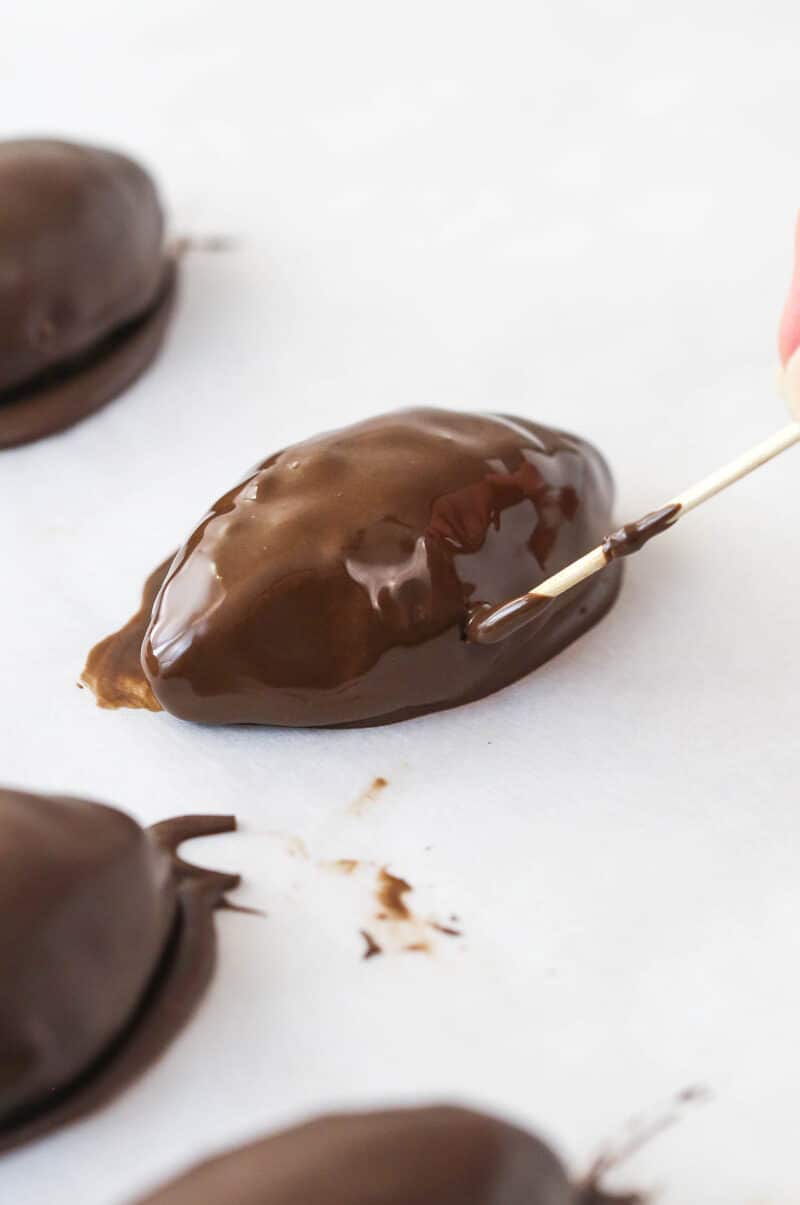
789	385
789	337
488	624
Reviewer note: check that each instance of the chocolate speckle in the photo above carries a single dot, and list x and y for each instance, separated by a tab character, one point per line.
373	949
372	792
344	865
446	929
391	895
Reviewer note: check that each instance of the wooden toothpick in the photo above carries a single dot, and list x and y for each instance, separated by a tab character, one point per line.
490	624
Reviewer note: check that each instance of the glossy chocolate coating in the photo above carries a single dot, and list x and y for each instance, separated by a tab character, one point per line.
93	927
434	1156
334	584
82	269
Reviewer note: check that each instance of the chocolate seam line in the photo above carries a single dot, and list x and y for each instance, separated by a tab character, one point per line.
168	1000
53	402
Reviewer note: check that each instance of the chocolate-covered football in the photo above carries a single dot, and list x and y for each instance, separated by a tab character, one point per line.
85	284
106	941
334	584
435	1156
430	1156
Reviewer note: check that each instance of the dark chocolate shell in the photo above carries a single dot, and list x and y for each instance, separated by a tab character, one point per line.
333	585
106	944
85	285
433	1156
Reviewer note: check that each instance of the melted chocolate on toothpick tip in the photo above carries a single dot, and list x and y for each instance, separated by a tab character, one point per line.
87	284
491	624
332	587
488	624
110	935
429	1156
633	536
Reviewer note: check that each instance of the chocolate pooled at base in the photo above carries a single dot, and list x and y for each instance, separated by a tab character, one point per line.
113	670
86	286
429	1156
333	586
106	945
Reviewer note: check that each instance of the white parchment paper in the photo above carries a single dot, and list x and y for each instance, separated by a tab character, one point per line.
576	212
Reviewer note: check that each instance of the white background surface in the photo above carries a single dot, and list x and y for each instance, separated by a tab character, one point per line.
578	212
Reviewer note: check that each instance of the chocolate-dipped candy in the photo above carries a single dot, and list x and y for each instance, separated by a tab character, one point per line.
86	286
334	584
106	944
432	1156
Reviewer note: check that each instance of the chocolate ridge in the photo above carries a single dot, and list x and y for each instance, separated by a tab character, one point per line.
74	391
169	1000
